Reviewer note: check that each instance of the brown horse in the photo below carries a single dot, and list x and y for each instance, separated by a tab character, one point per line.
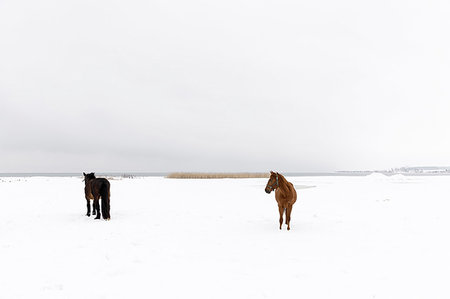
94	188
285	195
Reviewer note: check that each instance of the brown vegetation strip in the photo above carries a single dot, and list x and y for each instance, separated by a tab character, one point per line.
207	175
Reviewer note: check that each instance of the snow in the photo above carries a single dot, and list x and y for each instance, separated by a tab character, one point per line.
351	237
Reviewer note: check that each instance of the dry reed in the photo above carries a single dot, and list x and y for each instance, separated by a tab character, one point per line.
209	175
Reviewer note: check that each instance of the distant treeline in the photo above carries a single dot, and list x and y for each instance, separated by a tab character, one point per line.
208	175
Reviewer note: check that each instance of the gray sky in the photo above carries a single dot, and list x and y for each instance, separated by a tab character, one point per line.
223	85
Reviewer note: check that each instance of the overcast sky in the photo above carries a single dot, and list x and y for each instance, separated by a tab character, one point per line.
230	85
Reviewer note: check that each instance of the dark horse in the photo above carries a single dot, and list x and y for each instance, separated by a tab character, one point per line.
94	188
285	195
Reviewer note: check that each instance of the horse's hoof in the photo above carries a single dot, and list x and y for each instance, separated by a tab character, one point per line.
89	215
289	228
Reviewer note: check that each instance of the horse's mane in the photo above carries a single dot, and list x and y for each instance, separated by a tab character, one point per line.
282	182
90	176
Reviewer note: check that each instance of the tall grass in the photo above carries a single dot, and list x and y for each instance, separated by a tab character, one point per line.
209	175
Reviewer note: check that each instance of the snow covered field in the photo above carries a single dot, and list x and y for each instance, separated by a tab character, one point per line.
351	237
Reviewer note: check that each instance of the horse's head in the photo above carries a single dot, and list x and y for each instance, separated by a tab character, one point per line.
272	184
88	176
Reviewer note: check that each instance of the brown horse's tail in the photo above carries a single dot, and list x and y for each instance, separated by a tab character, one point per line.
104	193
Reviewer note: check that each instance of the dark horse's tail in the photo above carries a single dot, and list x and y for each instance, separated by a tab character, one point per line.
104	193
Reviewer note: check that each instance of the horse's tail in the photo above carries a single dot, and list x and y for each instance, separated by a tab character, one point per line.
105	193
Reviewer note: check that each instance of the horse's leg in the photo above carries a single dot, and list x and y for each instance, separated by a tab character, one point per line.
97	206
288	216
88	205
281	210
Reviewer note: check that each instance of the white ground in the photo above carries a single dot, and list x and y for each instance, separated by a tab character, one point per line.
351	237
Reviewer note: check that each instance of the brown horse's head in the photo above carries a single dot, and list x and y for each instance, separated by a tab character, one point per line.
272	184
88	176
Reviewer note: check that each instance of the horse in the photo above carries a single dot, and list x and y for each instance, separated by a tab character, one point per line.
285	195
94	188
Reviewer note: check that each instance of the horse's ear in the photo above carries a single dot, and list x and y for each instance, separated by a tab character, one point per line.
271	172
84	174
